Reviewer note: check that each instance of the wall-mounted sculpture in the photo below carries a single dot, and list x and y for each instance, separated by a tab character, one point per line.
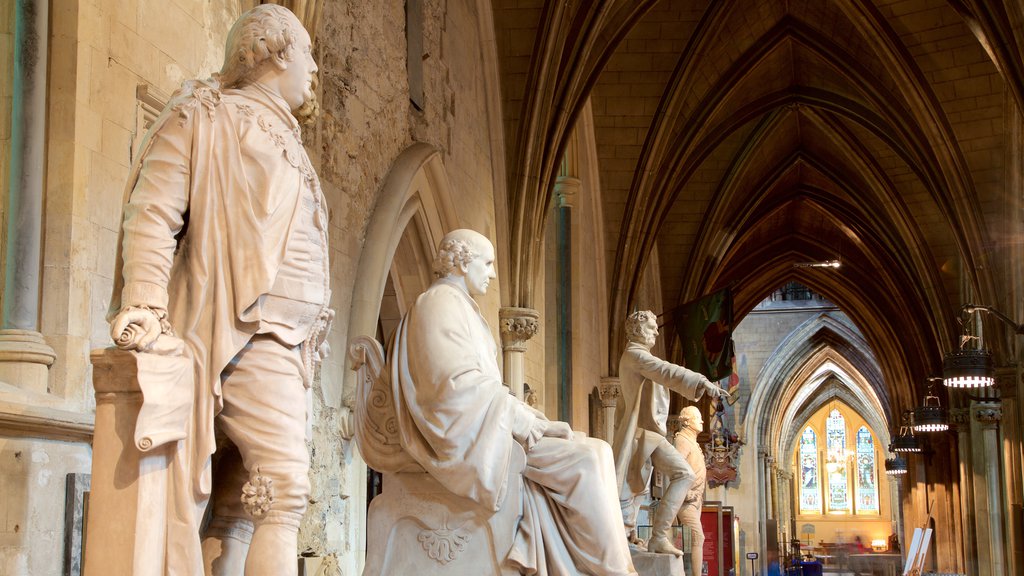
722	451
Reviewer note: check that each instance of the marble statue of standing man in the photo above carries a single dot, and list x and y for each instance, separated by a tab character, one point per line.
640	442
458	421
224	245
689	514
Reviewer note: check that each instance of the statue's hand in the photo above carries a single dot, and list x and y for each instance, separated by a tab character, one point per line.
714	391
135	328
556	429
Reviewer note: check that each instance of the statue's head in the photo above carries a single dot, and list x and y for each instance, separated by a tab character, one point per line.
642	327
268	44
691	418
468	255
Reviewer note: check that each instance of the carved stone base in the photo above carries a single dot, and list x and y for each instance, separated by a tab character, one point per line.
418	527
25	360
649	564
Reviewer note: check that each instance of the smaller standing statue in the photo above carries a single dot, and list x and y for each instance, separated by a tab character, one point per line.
689	514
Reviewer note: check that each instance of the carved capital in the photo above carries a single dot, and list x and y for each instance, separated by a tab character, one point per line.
517	326
567	190
609	392
988	416
961	417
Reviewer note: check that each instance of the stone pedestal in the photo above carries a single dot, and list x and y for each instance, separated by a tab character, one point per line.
126	526
25	360
648	564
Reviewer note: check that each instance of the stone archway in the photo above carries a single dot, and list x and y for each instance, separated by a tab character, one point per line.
415	198
413	212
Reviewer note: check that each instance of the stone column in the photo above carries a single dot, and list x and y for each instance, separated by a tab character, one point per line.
961	419
610	392
988	416
764	514
25	357
518	325
566	191
1007	379
782	498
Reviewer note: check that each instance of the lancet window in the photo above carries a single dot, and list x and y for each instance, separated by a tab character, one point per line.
867	485
810	490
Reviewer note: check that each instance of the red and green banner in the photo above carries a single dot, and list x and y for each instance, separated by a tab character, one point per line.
705	330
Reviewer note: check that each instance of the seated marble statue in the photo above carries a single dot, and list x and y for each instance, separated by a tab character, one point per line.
640	443
224	244
457	421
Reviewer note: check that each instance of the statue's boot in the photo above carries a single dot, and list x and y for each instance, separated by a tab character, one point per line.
225	545
274	548
670	503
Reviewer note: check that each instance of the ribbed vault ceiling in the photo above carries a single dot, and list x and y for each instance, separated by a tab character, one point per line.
739	137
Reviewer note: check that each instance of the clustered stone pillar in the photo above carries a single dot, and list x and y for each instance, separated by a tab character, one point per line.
988	416
25	357
609	392
518	325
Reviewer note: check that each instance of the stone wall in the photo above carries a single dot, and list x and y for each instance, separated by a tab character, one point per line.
366	121
33	480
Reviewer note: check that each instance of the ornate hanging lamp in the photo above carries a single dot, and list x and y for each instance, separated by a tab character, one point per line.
896	466
905	441
967	367
931	416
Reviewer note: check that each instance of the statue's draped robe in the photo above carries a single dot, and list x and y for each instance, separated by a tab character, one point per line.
458	421
212	198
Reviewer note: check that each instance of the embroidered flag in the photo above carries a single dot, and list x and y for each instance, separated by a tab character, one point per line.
705	330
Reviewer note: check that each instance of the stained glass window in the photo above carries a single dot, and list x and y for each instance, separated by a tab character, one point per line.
838	481
810	492
867	487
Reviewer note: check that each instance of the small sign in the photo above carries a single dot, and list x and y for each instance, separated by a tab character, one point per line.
751	555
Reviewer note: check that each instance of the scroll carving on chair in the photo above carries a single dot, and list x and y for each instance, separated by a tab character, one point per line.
475	480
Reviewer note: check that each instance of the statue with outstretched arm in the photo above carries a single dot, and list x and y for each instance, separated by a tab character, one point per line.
640	435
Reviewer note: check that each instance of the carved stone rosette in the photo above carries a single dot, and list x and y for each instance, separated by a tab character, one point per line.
518	325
